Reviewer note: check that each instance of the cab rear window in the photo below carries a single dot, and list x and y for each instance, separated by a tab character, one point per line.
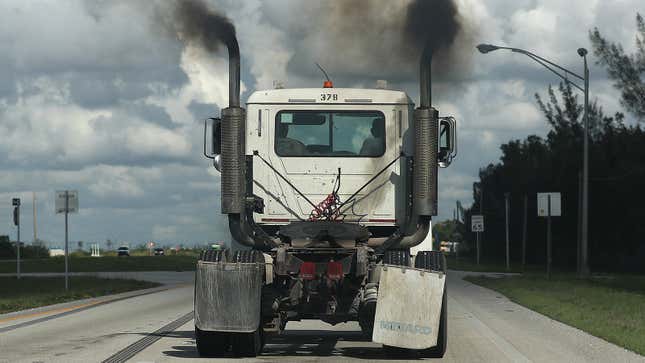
330	133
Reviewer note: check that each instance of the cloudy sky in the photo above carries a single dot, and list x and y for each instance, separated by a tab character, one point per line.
97	97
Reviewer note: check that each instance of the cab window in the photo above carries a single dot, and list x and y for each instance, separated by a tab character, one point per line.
330	133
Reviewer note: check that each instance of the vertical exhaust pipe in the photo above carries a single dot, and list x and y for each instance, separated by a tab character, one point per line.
425	149
233	143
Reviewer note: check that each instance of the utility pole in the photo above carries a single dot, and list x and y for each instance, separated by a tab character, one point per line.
33	199
548	238
508	258
16	221
524	230
584	250
66	242
579	244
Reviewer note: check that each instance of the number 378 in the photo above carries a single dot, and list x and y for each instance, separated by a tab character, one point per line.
329	97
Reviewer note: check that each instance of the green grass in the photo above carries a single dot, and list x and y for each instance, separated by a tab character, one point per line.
611	307
31	292
107	263
468	264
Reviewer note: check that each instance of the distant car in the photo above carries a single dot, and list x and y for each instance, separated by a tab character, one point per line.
123	251
159	251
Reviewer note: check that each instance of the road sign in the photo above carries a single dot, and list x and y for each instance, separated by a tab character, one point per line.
15	202
72	204
477	223
543	205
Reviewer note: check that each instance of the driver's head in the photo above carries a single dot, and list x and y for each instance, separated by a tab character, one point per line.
283	130
378	127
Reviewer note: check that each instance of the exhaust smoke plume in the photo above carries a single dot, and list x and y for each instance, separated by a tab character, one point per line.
432	23
358	39
196	24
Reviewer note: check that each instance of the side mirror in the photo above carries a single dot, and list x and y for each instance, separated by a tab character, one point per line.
213	140
447	141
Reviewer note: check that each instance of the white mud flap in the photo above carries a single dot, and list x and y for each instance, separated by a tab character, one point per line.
408	307
227	296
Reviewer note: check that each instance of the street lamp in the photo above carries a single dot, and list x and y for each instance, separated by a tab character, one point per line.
558	70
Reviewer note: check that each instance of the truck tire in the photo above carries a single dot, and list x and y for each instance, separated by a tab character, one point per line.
248	256
211	344
397	257
436	261
213	255
430	260
439	350
247	344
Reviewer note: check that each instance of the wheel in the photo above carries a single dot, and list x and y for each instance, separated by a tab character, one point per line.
248	256
399	353
212	255
430	260
248	344
442	338
397	257
211	344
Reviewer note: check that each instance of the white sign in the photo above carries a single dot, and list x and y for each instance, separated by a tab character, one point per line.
543	204
477	223
72	206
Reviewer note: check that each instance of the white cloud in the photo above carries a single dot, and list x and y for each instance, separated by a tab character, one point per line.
94	97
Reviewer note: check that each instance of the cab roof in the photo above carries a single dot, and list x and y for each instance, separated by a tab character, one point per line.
336	96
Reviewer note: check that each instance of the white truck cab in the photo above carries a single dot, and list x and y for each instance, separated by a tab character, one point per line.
333	191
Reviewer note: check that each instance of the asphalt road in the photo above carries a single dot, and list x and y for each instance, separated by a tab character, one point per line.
157	327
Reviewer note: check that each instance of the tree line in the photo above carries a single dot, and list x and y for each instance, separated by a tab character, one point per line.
554	164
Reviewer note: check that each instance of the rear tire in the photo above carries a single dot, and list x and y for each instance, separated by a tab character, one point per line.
439	350
213	255
436	261
430	260
211	344
397	257
247	344
248	256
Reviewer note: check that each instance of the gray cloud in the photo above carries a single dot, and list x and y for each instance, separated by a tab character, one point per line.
93	97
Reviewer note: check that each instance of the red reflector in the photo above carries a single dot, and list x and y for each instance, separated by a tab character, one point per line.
328	84
335	270
308	270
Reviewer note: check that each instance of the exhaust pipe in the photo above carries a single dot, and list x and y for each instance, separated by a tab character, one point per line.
233	145
425	147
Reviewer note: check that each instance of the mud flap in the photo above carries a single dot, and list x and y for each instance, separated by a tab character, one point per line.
408	308
227	296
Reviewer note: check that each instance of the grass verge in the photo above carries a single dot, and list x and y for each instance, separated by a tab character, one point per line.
107	263
609	307
31	292
469	264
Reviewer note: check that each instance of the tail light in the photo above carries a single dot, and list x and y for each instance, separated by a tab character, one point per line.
335	270
308	270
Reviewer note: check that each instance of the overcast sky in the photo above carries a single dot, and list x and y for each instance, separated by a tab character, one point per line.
96	97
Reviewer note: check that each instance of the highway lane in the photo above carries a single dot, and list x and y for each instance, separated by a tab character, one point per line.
483	327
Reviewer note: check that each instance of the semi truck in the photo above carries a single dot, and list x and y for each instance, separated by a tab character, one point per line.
332	191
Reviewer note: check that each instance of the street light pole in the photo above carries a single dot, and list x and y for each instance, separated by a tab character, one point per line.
584	251
584	265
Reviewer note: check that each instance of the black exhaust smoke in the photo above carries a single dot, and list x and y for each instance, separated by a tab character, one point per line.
194	23
433	25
